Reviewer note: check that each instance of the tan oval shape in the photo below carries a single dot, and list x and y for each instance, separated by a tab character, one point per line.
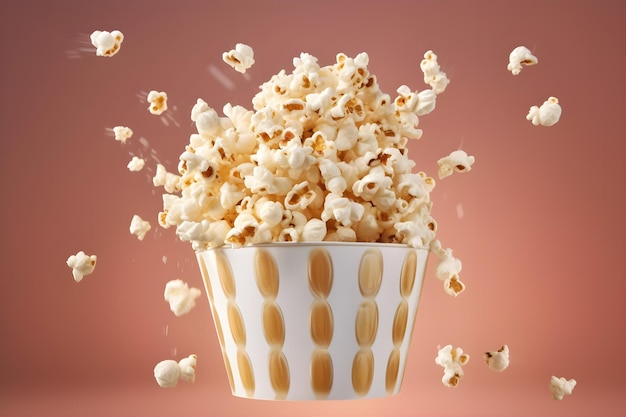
407	276
362	371
320	273
399	322
321	373
273	324
245	372
370	273
366	323
225	274
266	273
321	322
279	373
391	376
235	322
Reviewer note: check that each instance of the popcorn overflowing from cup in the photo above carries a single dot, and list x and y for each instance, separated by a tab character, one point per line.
106	43
81	264
168	372
180	296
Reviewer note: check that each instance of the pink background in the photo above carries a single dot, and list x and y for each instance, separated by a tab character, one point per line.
538	223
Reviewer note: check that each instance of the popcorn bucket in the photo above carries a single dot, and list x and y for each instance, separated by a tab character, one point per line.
314	321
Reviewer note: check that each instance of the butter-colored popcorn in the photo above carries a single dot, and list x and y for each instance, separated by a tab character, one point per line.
244	230
180	296
139	227
452	360
520	56
314	231
122	133
81	265
168	372
157	101
167	180
241	58
136	164
560	387
106	43
458	161
448	270
547	115
498	360
341	209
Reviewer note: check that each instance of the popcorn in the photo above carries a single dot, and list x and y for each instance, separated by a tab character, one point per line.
168	372
452	360
241	58
547	115
518	57
106	43
81	265
458	161
136	164
139	227
180	297
448	270
433	75
499	359
122	133
158	102
560	387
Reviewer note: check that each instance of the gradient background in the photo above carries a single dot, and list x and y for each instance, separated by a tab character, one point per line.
539	222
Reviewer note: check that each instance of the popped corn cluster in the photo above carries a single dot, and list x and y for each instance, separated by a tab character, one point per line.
180	297
322	156
81	264
106	43
452	360
168	372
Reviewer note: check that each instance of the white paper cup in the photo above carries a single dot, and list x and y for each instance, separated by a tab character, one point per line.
307	321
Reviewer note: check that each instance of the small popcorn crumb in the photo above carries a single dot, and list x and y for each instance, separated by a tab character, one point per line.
181	297
107	43
136	164
560	387
452	360
158	102
168	372
241	58
122	133
81	265
547	115
519	57
498	360
458	161
139	227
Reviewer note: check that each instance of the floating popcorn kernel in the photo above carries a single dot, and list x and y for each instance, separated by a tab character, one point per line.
498	360
106	43
241	58
158	102
458	161
453	286
520	56
168	372
547	115
139	227
136	164
122	133
180	296
451	359
81	265
560	387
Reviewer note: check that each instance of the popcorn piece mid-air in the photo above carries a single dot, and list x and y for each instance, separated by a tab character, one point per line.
158	102
498	360
136	164
122	133
519	57
452	360
560	387
181	298
107	43
547	115
433	76
458	161
241	58
139	227
168	372
81	265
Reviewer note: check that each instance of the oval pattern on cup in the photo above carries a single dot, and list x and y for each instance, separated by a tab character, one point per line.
225	274
407	276
399	322
266	273
391	376
235	322
245	372
321	322
279	373
366	323
320	272
370	273
273	324
321	373
362	371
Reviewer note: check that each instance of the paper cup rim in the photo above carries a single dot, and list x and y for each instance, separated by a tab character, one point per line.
323	243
